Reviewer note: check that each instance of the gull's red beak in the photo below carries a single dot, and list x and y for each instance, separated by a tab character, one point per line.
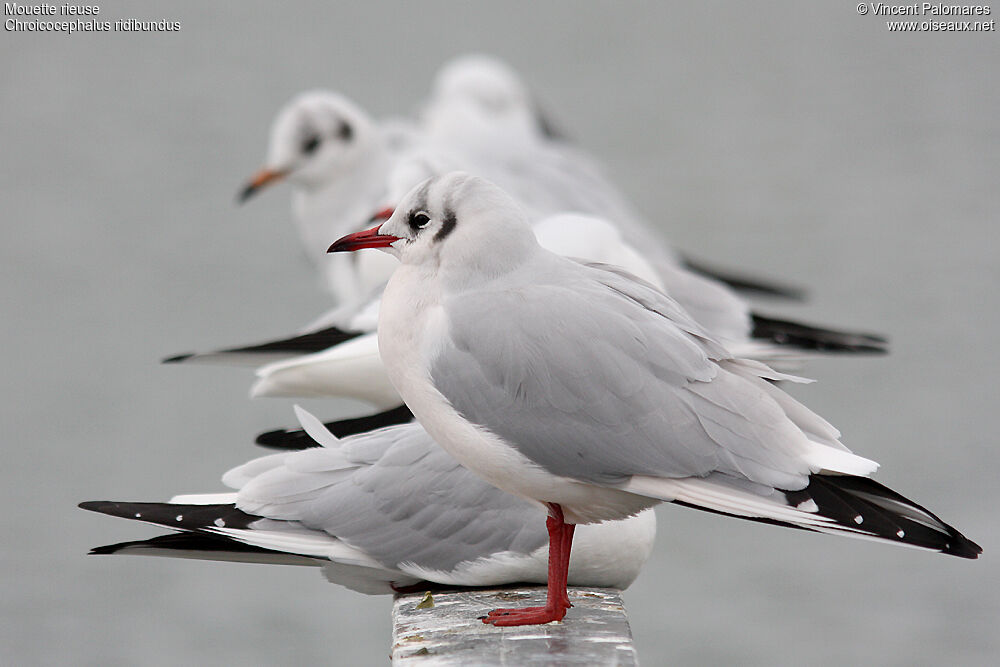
369	238
259	180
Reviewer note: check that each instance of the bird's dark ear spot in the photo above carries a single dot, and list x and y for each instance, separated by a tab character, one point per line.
345	132
310	143
447	225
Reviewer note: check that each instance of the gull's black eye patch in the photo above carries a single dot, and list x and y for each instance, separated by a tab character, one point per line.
310	144
418	220
345	131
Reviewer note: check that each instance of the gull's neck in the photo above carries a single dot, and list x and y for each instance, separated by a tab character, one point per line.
409	321
507	257
345	203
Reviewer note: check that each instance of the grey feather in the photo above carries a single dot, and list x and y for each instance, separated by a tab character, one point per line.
590	387
396	495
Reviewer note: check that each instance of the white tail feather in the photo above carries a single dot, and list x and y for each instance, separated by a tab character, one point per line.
315	429
721	498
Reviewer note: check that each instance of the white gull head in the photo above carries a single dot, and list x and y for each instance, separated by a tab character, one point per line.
318	136
316	139
483	81
462	228
477	100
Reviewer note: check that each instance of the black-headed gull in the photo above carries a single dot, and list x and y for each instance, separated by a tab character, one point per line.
481	109
338	357
584	388
337	158
479	105
344	165
340	176
378	512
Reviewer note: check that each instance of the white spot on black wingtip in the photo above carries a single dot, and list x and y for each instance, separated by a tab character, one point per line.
900	533
808	505
138	515
180	517
220	523
859	519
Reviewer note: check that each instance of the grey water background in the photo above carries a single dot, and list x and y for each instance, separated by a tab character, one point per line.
795	140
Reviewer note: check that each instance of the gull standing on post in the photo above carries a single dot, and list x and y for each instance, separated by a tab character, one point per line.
591	392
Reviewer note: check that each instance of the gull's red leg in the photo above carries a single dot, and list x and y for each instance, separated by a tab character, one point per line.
556	598
567	545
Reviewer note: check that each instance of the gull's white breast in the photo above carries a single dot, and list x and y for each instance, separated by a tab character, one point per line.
413	330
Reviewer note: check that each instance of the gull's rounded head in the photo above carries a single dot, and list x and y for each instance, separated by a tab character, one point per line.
482	80
316	137
464	227
480	102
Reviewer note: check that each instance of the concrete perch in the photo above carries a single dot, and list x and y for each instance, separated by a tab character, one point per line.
594	632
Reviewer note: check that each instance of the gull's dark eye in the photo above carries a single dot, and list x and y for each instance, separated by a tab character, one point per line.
310	144
345	132
419	220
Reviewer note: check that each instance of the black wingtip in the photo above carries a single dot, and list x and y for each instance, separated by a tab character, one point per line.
113	508
821	339
314	341
177	358
180	544
861	501
746	284
296	439
95	505
283	438
177	516
963	547
108	549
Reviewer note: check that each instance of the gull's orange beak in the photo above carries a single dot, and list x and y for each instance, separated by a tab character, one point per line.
259	180
369	238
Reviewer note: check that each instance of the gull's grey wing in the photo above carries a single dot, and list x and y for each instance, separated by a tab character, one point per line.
397	496
597	376
712	304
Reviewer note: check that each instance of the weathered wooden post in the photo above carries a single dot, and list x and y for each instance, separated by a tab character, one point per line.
443	628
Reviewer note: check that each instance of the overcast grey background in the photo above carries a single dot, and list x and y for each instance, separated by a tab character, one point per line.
798	140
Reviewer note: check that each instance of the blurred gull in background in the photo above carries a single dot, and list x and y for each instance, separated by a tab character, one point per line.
344	167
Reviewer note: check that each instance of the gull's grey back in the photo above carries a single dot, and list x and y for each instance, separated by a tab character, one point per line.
597	377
